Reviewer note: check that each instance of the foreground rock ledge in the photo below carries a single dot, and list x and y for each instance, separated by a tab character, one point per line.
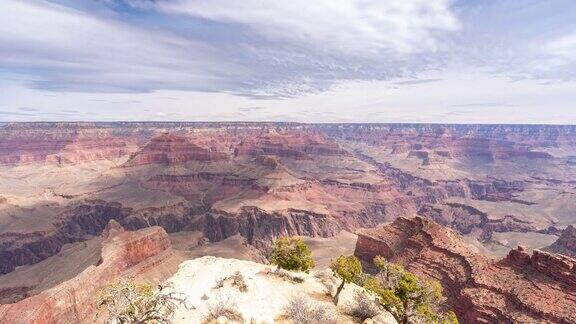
520	288
146	253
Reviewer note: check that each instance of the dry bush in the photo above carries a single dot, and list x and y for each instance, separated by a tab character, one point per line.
219	283
223	307
129	302
363	306
303	310
237	280
285	275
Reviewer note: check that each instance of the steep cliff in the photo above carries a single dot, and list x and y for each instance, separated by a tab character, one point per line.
170	149
519	289
143	254
73	225
566	243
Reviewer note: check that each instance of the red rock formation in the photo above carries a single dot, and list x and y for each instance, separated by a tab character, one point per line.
124	255
21	145
294	144
566	243
268	160
87	218
170	149
466	220
205	186
520	288
95	148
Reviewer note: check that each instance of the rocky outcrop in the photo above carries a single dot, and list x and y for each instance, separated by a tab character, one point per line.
124	254
553	265
170	149
261	228
64	143
518	289
268	160
206	187
294	144
467	219
95	148
566	243
73	225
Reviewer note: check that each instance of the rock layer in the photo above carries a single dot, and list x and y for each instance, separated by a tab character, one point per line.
518	289
566	243
124	254
170	149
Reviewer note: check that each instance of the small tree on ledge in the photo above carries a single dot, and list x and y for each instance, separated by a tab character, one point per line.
346	268
129	302
291	253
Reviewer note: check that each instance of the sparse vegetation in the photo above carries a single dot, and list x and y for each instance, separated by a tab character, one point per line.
129	302
303	310
236	280
364	306
286	275
291	253
408	299
223	307
239	282
346	268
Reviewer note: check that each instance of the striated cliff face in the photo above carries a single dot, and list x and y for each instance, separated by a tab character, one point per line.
88	218
261	228
469	220
520	288
566	243
295	144
169	149
556	266
124	254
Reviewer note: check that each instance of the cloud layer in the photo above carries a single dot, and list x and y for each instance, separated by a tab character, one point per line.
78	55
361	28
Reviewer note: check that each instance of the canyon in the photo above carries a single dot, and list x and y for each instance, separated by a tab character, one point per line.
520	288
213	184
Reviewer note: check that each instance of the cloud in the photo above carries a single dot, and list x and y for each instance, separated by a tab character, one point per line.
251	109
561	51
63	48
417	81
354	27
485	104
13	113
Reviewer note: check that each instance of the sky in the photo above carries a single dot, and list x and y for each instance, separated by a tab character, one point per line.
432	61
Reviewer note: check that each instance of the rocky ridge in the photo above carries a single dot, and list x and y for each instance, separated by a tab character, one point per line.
146	254
566	243
521	288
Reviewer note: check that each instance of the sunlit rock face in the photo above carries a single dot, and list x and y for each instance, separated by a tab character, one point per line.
145	253
170	149
521	287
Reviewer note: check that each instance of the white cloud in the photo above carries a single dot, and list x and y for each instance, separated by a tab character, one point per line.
563	48
358	27
78	51
461	94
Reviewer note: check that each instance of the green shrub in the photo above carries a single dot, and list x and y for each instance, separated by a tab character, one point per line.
291	253
406	297
346	268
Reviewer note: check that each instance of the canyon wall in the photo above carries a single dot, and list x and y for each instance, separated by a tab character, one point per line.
124	255
521	288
